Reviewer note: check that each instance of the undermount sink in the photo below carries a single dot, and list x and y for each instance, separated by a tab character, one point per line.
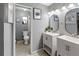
70	39
51	33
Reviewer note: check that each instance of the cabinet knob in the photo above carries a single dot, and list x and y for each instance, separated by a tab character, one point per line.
46	38
67	48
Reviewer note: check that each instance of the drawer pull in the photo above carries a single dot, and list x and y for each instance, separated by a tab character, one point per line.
46	38
67	48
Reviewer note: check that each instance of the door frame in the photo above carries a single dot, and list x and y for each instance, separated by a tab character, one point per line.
14	28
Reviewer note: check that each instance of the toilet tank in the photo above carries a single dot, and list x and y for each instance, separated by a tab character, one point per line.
25	33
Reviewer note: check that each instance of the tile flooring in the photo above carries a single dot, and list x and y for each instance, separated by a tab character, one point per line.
24	50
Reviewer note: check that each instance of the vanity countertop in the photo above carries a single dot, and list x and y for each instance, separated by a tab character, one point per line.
69	38
50	33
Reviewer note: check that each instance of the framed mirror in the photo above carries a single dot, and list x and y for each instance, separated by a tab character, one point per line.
54	22
72	21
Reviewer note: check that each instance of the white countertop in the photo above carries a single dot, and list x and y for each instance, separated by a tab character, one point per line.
69	38
51	33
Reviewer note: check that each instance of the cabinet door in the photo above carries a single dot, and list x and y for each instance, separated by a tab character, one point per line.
73	49
47	40
61	47
54	45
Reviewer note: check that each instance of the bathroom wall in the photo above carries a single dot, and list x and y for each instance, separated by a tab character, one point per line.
38	26
8	33
1	29
5	31
61	15
19	26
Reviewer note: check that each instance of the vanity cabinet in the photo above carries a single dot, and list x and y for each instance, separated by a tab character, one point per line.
50	42
67	46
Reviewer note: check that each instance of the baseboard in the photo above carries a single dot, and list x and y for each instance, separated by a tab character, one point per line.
37	51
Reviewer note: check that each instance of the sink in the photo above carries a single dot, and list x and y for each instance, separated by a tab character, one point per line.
70	39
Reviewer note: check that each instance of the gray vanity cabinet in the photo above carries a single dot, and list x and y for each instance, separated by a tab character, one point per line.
50	42
67	47
73	49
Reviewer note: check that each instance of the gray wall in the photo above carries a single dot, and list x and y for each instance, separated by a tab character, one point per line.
38	26
19	26
3	39
1	29
8	33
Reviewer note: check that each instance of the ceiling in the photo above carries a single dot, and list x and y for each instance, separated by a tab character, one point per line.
46	4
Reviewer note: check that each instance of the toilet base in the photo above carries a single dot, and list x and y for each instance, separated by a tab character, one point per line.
26	42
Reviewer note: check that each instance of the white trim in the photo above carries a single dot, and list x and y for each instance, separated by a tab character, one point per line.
14	31
23	6
31	28
14	27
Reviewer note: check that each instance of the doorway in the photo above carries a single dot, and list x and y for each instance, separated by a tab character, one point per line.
22	29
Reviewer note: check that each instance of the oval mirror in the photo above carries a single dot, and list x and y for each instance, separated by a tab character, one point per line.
54	22
72	21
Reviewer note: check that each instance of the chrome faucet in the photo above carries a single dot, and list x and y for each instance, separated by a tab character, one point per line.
74	35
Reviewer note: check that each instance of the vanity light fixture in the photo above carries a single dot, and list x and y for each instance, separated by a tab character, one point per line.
51	13
57	11
71	5
25	9
63	8
10	6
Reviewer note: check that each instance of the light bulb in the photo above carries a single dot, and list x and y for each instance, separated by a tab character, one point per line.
57	11
63	8
70	6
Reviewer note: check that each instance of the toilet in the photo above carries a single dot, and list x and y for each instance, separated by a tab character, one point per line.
25	37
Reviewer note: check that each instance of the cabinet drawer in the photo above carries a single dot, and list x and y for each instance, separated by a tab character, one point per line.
47	40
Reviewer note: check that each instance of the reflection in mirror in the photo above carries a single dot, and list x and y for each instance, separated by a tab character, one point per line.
72	21
24	20
54	22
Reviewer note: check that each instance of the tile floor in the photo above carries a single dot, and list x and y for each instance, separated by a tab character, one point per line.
24	50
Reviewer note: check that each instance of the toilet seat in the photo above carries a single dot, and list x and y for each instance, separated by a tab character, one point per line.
26	38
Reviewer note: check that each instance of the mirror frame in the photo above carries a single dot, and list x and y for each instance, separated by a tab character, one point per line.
65	19
54	20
